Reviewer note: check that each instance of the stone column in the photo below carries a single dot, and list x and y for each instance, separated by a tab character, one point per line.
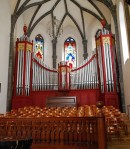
11	65
118	52
127	22
54	57
85	54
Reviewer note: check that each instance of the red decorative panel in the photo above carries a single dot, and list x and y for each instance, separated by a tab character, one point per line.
89	97
112	99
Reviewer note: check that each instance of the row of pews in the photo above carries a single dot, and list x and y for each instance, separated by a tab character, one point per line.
86	125
49	126
115	123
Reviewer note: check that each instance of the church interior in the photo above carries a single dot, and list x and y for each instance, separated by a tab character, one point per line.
64	80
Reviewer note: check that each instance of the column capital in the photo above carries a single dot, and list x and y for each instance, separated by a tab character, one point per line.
85	54
54	57
54	41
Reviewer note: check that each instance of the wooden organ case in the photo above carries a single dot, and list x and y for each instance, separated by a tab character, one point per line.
95	79
63	76
23	65
107	62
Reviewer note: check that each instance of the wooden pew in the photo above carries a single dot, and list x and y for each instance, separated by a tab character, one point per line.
75	131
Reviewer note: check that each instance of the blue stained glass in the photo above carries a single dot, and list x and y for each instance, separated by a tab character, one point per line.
39	43
70	52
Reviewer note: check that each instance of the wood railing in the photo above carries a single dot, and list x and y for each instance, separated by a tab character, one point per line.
87	131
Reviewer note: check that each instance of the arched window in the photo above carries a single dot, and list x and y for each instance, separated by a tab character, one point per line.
39	43
123	32
70	52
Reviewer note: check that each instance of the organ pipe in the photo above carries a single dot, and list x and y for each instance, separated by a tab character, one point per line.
106	58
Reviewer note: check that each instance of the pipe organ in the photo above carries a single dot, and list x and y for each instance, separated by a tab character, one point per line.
34	75
23	66
97	72
107	61
44	78
63	76
86	75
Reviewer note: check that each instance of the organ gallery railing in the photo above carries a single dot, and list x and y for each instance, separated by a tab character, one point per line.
82	131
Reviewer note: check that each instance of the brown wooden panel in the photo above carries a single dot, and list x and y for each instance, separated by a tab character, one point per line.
61	101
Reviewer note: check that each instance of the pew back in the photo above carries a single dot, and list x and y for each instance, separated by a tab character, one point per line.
56	130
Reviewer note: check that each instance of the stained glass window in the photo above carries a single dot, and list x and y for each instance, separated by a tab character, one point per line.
39	43
70	52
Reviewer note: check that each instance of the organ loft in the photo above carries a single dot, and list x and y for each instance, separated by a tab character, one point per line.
96	79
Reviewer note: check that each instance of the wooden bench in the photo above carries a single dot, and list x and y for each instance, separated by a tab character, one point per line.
75	132
61	101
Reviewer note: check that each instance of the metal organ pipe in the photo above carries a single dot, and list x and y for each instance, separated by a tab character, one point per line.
26	74
105	51
27	77
18	76
85	74
109	68
21	71
45	78
111	71
108	64
23	67
42	76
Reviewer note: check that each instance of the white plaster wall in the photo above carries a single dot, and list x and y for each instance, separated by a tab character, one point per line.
112	25
105	10
18	32
125	67
5	19
126	77
92	29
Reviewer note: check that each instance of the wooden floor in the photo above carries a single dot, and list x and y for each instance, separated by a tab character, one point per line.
110	145
119	145
52	146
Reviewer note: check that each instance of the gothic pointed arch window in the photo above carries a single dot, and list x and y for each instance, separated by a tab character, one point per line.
70	52
39	46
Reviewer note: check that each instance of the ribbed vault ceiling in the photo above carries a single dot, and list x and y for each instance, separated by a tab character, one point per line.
76	13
